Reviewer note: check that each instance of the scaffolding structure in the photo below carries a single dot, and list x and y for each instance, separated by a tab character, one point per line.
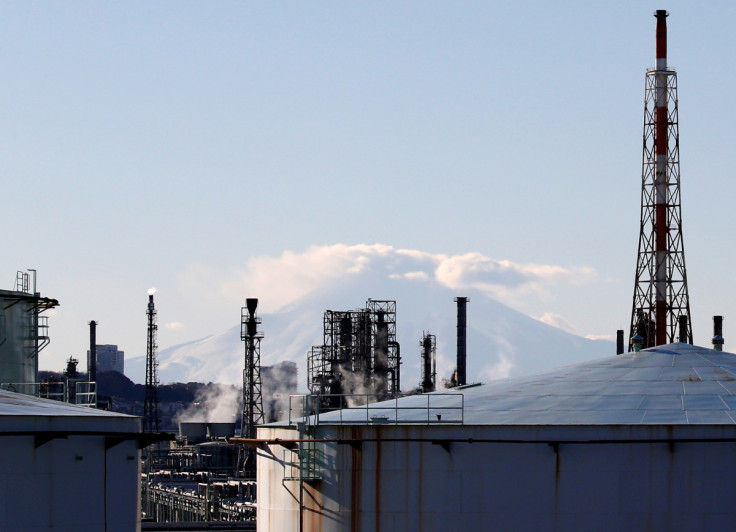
660	286
359	354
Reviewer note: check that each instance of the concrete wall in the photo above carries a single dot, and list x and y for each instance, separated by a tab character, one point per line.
69	484
528	478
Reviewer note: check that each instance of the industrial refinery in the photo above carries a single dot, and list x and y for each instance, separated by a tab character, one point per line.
642	439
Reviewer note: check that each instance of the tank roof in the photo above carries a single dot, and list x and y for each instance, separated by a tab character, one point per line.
19	412
674	384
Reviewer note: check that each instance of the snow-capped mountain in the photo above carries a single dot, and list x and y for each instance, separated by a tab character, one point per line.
500	341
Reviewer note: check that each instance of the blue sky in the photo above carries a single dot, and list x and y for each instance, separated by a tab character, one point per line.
169	144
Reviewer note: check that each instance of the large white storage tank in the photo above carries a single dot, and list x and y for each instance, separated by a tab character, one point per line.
23	334
640	441
67	467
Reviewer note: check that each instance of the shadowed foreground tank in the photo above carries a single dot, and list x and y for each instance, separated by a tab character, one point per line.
633	441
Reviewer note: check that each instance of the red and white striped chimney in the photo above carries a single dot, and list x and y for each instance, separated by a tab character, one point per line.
661	144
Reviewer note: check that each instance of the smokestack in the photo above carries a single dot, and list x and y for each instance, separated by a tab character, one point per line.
718	333
92	356
462	304
251	304
683	328
620	342
661	15
661	147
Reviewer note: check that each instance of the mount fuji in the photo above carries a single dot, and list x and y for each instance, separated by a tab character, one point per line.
501	342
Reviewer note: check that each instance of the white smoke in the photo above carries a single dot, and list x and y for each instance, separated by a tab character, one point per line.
213	403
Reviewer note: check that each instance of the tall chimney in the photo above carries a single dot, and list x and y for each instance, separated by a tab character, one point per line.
718	333
661	144
462	305
92	356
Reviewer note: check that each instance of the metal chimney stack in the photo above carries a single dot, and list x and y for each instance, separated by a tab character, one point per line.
718	333
252	414
462	312
92	357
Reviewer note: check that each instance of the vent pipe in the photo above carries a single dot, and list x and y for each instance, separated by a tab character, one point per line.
620	342
683	328
92	356
718	333
462	312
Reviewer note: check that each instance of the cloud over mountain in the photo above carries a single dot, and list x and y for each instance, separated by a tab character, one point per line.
291	275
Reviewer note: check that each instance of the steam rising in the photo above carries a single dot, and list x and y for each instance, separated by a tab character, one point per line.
215	403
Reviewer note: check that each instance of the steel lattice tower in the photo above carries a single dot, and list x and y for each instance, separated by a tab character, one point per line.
660	287
252	399
150	403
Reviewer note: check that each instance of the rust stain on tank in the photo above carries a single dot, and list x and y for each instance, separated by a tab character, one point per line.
313	508
356	465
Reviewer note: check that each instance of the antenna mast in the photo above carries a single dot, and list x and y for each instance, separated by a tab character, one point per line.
150	404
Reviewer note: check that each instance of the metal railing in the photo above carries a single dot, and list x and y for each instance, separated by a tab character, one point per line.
83	393
358	409
45	390
306	462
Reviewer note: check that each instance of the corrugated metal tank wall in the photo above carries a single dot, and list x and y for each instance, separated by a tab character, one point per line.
69	483
599	478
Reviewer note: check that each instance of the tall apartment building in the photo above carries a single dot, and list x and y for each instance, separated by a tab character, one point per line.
109	358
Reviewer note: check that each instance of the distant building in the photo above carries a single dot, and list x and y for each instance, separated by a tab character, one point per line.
109	358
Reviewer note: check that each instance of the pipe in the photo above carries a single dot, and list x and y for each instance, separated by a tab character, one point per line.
92	357
683	328
620	342
462	313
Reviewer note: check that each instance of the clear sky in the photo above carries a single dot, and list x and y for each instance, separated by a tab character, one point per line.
172	144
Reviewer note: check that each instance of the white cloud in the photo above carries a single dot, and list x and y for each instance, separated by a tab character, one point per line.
600	337
556	320
411	276
503	278
292	275
174	326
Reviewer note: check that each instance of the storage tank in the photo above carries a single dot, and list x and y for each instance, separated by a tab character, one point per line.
23	333
193	431
220	429
636	441
67	467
